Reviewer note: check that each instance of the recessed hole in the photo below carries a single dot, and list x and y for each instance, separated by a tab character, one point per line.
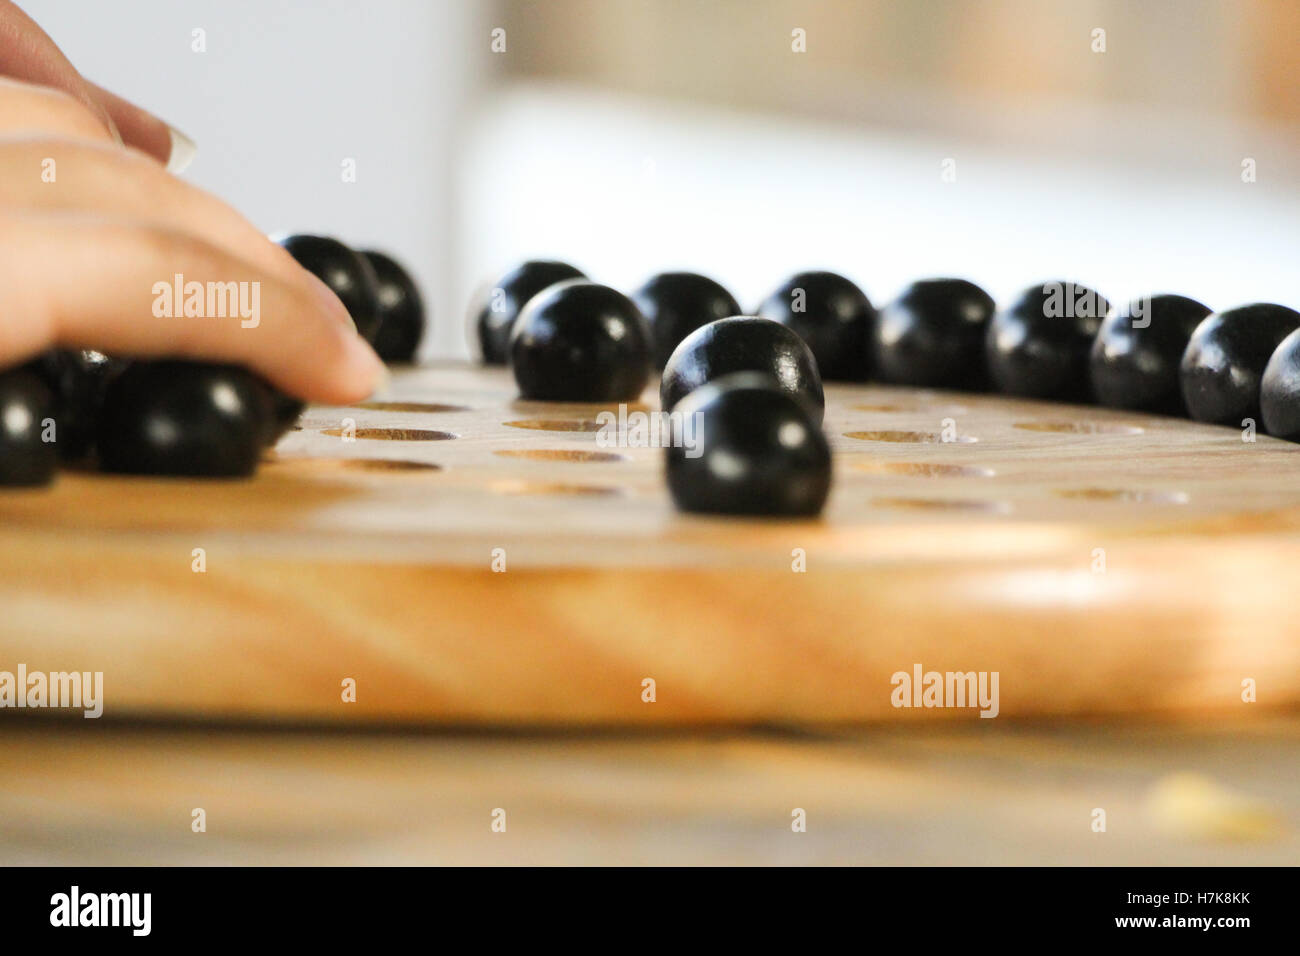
558	424
553	488
354	464
392	434
410	407
915	437
389	464
560	454
1080	428
576	408
1126	494
923	469
941	504
911	409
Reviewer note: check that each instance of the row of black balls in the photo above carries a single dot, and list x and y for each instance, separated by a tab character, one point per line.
180	418
569	339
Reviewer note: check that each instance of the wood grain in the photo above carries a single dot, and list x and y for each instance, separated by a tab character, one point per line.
371	560
988	793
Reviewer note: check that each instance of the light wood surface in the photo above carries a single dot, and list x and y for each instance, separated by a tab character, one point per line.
983	793
977	555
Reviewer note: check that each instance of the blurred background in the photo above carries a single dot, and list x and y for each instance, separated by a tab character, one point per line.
1136	145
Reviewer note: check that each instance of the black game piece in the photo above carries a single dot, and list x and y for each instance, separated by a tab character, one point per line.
743	344
1279	392
284	413
1039	347
401	311
77	378
756	451
1225	359
580	342
832	315
676	304
347	273
932	335
1134	360
501	304
184	418
26	408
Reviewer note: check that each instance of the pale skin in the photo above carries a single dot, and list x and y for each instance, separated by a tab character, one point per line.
80	255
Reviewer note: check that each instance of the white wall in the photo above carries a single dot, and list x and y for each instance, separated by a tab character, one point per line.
285	91
288	88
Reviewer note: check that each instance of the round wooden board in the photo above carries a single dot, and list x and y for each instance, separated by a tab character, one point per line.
1099	562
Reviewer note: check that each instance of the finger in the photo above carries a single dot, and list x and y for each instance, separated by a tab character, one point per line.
76	282
75	175
146	132
27	53
26	108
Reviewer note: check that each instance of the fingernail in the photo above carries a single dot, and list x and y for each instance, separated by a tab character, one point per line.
112	128
365	364
183	151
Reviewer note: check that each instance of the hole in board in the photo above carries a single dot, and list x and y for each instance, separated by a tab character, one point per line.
911	409
923	469
393	434
560	454
1125	494
410	407
553	488
390	464
557	424
1080	428
942	504
927	438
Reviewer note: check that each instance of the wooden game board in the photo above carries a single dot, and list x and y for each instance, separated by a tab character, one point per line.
371	559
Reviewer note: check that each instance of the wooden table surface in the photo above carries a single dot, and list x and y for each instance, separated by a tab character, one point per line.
977	792
369	560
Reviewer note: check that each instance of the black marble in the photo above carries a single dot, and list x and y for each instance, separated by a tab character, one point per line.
832	315
743	344
675	304
1135	357
932	335
500	304
753	449
1225	359
1039	346
580	342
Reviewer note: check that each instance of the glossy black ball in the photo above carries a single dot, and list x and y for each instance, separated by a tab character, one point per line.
184	418
500	304
832	315
756	451
284	412
580	342
1039	346
932	335
743	344
1279	392
401	310
675	304
347	273
1225	359
26	408
78	379
1135	357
